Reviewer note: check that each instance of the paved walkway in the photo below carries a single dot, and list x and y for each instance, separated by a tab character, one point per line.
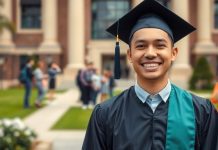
42	120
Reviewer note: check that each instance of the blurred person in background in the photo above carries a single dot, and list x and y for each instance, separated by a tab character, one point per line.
28	81
105	86
53	70
40	82
79	85
112	83
86	82
96	86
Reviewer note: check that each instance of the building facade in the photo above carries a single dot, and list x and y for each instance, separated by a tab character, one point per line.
71	32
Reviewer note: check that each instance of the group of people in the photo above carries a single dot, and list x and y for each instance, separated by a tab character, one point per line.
91	84
41	80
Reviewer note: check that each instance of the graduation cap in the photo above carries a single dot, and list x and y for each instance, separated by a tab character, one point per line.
148	14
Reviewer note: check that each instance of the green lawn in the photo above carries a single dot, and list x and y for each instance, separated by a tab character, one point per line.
74	118
202	91
11	103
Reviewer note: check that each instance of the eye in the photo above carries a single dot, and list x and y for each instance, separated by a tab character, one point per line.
161	46
140	46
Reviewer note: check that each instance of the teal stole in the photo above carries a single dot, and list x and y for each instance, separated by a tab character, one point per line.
181	121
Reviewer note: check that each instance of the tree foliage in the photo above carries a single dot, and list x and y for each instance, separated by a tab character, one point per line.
5	23
202	76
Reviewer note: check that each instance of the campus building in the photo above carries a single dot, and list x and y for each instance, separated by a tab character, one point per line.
71	32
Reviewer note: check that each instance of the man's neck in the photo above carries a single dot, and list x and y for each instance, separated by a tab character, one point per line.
153	86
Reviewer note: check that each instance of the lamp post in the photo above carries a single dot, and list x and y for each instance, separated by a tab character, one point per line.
2	61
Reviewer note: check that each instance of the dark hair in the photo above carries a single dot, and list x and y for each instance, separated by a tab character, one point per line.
50	64
29	60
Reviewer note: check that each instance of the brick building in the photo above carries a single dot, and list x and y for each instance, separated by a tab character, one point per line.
73	31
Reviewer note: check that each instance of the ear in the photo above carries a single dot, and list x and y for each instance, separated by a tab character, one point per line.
174	53
129	56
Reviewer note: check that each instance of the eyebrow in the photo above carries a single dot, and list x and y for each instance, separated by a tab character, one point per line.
139	41
161	40
155	40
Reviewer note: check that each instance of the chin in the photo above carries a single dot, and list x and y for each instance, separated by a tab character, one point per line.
152	76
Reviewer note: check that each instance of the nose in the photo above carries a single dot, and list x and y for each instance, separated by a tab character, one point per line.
150	53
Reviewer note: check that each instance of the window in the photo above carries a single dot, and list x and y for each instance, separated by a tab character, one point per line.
105	13
30	14
216	14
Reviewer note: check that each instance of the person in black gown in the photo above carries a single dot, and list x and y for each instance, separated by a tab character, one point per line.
154	114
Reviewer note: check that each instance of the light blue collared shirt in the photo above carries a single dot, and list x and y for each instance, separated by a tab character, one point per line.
153	100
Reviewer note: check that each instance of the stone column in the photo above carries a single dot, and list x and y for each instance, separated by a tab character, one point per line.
181	65
204	40
6	43
76	37
49	24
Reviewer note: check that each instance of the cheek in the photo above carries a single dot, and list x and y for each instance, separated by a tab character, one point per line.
137	54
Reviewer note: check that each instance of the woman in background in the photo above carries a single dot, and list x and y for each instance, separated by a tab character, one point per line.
40	81
104	86
53	70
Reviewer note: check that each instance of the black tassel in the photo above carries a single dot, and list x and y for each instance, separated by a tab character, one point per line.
117	60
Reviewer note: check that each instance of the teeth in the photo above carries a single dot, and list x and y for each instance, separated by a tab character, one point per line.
150	65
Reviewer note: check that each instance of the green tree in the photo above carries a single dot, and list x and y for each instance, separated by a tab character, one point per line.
5	22
202	76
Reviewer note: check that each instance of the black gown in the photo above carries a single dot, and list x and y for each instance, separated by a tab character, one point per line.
125	123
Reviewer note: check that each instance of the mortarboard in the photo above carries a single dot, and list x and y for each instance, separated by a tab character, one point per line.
148	14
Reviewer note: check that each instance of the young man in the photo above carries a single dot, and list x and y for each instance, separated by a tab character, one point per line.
154	114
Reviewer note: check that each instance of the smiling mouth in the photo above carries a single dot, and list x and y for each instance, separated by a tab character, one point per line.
151	66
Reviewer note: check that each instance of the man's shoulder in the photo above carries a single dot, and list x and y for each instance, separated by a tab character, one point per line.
198	98
200	103
116	102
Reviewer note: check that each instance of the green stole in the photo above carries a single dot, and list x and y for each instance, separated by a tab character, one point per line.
181	121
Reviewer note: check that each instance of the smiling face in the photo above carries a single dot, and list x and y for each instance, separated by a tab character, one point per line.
151	54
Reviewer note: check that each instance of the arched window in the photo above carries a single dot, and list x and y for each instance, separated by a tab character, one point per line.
104	13
216	14
30	14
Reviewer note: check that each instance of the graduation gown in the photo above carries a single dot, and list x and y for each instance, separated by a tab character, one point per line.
125	123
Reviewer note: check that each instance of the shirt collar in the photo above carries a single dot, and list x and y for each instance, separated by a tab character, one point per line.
143	95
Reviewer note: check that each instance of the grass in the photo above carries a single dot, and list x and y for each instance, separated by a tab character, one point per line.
74	118
11	103
202	91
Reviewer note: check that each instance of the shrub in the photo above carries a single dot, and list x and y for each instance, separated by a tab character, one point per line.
15	135
202	76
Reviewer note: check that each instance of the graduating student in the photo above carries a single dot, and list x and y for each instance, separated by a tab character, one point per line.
154	114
